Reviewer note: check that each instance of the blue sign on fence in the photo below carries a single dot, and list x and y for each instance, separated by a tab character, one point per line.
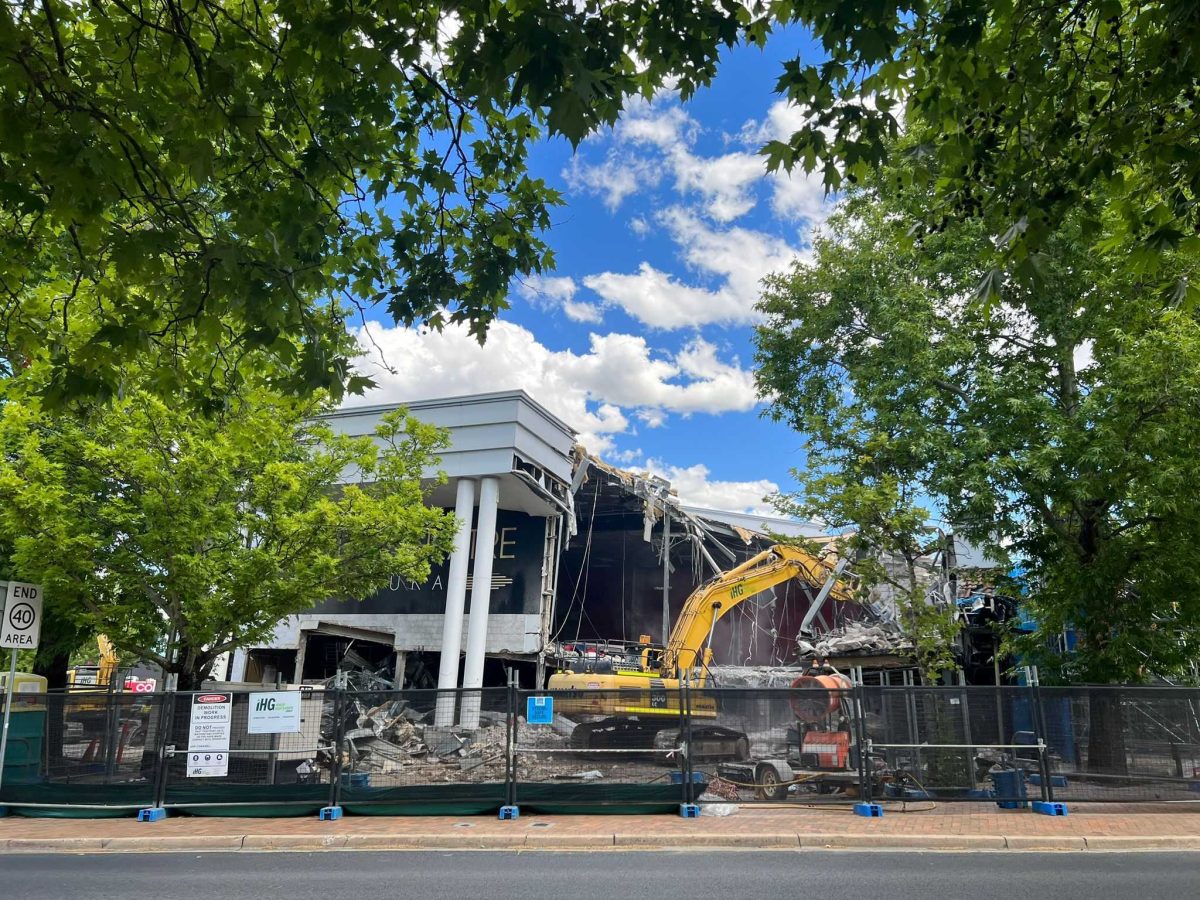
540	711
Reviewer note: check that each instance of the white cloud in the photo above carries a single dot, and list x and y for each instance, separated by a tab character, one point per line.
665	135
662	124
538	287
656	299
657	139
612	180
800	196
625	457
724	182
1084	354
551	292
796	195
736	259
652	418
696	488
583	312
782	120
739	255
591	391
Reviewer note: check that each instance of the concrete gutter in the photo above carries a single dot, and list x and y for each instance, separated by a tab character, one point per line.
600	840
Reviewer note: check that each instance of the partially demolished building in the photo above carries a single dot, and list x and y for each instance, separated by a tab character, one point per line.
563	550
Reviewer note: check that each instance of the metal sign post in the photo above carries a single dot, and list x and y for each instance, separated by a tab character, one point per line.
20	628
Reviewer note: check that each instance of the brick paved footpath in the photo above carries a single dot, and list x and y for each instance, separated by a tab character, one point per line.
945	827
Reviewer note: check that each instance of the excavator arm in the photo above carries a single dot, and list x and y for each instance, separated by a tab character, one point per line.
705	607
108	660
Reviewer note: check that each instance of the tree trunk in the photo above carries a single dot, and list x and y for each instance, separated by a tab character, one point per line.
192	668
54	670
1106	752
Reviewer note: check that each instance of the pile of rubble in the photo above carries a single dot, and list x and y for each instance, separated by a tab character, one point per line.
394	739
752	676
859	639
398	742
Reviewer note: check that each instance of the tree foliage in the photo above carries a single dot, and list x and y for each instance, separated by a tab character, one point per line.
236	174
1029	108
182	537
1056	427
884	529
243	174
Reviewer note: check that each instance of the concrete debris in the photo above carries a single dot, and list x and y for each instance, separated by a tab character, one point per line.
753	676
859	639
393	740
358	674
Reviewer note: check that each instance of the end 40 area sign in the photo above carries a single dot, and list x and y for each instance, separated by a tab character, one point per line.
22	623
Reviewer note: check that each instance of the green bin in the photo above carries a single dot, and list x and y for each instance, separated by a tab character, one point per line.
26	729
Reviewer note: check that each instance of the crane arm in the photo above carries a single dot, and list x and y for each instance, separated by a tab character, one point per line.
108	660
713	600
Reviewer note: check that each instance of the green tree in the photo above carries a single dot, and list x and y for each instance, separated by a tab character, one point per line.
885	530
1029	109
1055	428
182	536
235	174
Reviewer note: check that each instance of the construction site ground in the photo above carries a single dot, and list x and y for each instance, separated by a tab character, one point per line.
946	826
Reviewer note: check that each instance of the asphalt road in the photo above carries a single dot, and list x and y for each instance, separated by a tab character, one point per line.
694	875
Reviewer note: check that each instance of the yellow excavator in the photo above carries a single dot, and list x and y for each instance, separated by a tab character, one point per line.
637	687
95	679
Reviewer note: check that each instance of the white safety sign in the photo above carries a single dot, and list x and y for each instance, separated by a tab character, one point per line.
274	712
208	765
22	619
212	717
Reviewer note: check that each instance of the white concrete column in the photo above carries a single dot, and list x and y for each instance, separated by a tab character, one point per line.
481	596
456	598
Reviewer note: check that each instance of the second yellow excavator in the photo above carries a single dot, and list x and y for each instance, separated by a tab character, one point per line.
637	687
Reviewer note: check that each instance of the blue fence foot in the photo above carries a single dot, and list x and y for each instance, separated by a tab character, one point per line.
152	814
3	811
1049	809
870	810
689	810
330	813
510	812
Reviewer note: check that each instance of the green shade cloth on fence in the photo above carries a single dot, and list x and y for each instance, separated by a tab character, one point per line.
260	800
122	799
599	799
425	800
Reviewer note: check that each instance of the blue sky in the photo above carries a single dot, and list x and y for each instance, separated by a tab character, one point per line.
642	338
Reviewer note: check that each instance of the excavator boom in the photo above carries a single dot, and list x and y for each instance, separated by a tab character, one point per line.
710	602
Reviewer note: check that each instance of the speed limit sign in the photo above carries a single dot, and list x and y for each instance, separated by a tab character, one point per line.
22	618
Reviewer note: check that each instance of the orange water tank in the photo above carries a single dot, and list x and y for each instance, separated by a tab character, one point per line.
832	748
821	697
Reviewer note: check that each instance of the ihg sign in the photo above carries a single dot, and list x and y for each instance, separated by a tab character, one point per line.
274	712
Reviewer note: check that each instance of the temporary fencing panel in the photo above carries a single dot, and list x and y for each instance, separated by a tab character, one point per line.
952	743
600	750
81	753
412	752
258	774
1132	744
772	745
399	757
